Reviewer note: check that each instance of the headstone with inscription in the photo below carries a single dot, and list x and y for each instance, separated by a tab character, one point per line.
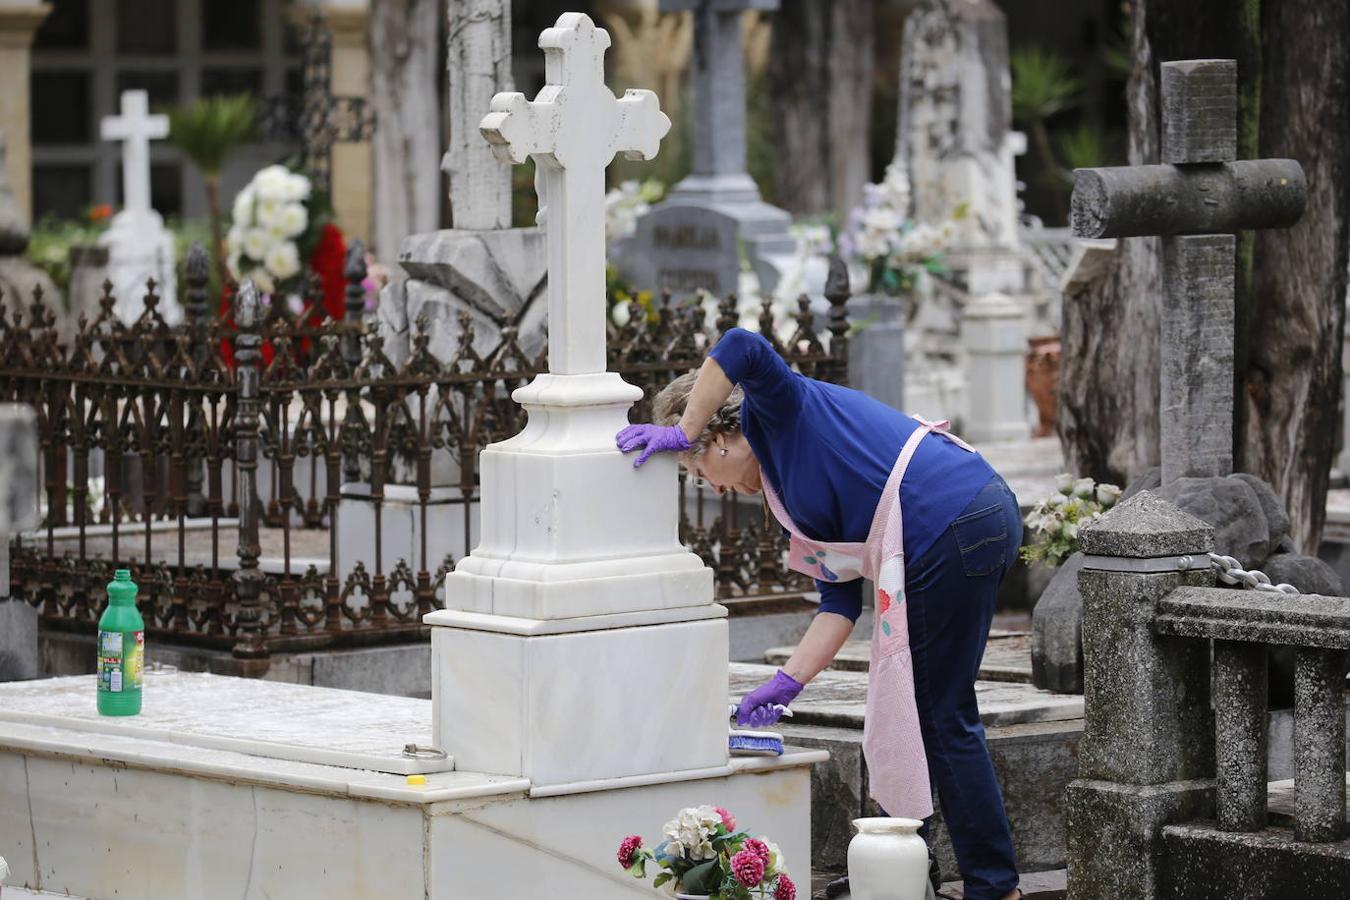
693	239
140	248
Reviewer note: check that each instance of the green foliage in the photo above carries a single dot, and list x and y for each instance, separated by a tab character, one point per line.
213	129
1043	85
50	242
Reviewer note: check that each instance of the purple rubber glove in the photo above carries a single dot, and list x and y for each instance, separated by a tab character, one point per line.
757	709
654	438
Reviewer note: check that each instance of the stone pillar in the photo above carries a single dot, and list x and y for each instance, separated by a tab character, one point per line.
19	19
994	332
353	163
18	511
1147	754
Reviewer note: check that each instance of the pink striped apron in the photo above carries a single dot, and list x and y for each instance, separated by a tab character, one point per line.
892	743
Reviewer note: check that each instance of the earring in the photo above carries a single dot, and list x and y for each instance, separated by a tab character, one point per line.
723	450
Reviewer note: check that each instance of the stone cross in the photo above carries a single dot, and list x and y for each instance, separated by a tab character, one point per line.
719	82
135	128
573	129
1197	201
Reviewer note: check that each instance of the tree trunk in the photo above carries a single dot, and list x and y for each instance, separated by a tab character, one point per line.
1293	379
404	78
1109	368
820	76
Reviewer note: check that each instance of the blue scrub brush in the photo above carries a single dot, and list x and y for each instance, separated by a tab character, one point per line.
755	743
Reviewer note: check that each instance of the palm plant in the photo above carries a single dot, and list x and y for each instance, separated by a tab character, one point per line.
209	132
1043	86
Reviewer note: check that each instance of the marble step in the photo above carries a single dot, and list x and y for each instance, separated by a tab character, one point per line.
837	698
1006	658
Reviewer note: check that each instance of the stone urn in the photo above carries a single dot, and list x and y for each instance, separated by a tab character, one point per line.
1043	380
887	860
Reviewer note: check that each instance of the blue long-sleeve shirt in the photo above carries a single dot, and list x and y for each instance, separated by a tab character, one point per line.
828	451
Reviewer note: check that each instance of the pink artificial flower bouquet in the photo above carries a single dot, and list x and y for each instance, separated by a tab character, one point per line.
702	853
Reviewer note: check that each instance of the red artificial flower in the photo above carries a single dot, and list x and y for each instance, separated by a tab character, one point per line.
759	848
100	213
785	890
627	848
748	868
728	820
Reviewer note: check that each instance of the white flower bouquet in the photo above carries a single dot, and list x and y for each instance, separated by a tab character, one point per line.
1056	520
273	224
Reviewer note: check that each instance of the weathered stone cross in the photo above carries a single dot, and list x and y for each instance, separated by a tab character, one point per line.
719	82
1196	201
573	129
135	127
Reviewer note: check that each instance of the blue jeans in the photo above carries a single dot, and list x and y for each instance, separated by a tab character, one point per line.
951	591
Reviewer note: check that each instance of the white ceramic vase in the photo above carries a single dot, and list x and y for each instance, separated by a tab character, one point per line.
887	860
680	896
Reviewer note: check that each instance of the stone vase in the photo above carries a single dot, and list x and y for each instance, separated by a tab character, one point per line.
1043	380
887	860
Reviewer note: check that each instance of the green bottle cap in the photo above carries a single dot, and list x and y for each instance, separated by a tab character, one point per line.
122	589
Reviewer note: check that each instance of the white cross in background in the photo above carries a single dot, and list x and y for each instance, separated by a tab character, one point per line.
135	127
573	129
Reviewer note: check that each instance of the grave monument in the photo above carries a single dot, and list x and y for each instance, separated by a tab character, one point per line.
18	508
693	238
18	276
139	246
580	675
1196	200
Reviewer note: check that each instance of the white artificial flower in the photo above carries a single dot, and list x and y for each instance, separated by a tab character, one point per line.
232	263
1064	483
262	280
621	313
881	219
871	244
269	214
1083	487
297	188
1108	495
1056	500
272	183
283	259
293	220
256	243
242	213
234	241
776	863
1051	525
690	832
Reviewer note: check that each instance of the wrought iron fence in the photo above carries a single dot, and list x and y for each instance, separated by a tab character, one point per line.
162	445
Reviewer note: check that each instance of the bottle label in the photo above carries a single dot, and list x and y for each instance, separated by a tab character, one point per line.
119	665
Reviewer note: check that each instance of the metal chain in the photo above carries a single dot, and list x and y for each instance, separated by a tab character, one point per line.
1230	571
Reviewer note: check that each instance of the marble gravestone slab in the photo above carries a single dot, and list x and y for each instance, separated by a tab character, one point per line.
839	699
686	248
260	718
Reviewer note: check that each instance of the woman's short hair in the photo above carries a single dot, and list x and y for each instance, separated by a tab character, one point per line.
668	406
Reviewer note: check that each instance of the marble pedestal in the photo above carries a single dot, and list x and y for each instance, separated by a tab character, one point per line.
140	248
452	527
160	808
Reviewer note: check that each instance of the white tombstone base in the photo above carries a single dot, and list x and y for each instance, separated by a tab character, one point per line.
157	806
140	248
401	527
610	697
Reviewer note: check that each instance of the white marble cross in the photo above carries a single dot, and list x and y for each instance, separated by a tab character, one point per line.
573	129
135	128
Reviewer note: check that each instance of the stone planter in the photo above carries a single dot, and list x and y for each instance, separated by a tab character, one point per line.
1043	380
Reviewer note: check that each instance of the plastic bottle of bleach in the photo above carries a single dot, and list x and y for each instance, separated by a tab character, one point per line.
121	649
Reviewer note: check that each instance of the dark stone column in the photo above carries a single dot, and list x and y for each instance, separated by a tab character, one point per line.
1147	755
1240	724
1319	745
